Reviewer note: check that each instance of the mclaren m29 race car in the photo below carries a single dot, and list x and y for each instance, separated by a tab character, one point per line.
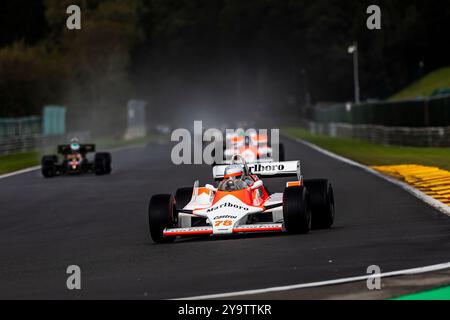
75	161
241	204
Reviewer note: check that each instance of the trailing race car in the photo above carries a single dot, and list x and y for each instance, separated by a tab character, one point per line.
241	204
75	161
251	145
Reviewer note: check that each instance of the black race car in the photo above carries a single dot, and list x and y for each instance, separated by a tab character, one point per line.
75	161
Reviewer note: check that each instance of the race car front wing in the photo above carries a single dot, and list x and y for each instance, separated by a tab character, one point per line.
208	230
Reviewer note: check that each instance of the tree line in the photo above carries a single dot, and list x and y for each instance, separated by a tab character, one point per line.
212	53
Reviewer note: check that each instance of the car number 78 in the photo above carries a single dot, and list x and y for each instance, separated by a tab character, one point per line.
225	223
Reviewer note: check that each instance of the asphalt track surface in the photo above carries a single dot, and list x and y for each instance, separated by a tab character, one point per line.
100	224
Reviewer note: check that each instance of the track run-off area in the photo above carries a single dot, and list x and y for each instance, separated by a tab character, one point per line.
100	224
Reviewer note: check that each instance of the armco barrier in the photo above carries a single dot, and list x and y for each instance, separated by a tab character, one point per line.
19	134
20	126
25	143
16	144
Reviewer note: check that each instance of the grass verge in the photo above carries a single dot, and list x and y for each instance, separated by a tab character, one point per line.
15	162
435	294
374	154
425	86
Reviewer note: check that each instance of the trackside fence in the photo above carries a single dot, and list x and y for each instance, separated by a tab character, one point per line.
16	144
421	123
28	126
430	112
19	134
401	136
27	134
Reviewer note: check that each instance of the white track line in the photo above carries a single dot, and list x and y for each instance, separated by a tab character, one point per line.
442	207
11	174
405	272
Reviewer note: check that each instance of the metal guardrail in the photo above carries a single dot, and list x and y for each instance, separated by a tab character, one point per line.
16	144
20	134
26	143
26	126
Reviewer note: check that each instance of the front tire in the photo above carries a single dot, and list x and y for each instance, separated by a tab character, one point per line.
102	163
322	203
161	216
296	211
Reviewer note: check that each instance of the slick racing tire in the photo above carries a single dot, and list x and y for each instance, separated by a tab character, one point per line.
322	203
48	166
102	163
182	197
160	216
296	210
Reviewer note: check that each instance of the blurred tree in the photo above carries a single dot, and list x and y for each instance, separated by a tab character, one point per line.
22	20
182	53
29	78
98	60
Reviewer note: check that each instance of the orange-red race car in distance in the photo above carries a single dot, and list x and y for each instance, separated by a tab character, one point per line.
241	204
252	146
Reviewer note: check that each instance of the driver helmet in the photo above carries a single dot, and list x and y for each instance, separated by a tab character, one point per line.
75	144
233	172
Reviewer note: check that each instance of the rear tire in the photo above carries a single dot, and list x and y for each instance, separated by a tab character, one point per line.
322	203
102	163
48	166
296	210
160	216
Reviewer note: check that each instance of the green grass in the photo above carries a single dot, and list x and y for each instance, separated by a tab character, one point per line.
435	294
374	154
425	86
18	161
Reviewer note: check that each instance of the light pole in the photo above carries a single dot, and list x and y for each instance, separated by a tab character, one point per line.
353	49
306	87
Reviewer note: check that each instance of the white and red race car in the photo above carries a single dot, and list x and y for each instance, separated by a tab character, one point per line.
252	146
241	204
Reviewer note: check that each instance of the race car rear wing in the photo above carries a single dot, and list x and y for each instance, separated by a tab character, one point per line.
266	169
84	148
